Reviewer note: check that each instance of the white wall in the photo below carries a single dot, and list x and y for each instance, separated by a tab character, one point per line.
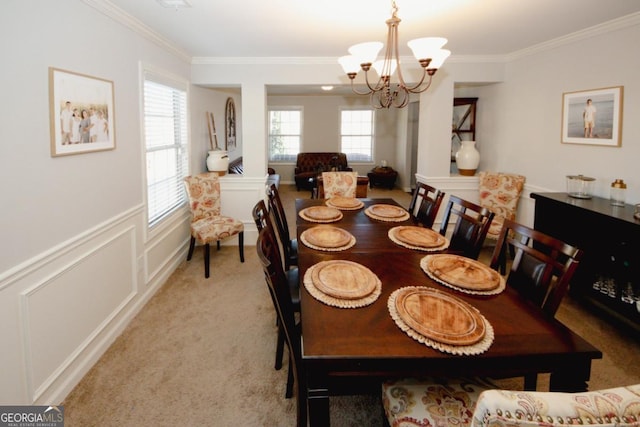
519	121
76	262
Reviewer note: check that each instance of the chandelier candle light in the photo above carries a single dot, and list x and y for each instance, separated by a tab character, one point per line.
427	50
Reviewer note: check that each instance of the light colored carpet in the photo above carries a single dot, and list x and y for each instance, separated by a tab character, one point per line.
201	353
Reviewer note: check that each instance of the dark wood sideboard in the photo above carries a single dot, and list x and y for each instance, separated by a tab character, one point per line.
608	277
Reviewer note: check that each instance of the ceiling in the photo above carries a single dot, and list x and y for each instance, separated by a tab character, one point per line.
326	28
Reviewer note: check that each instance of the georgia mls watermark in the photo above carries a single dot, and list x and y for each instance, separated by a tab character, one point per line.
31	416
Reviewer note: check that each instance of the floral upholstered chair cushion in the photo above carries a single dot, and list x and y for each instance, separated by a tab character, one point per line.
464	403
207	224
500	193
431	402
339	184
618	407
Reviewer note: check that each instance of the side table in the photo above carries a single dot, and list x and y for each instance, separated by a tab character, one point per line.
382	177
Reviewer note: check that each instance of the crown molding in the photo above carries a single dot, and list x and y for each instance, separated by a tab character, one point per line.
109	9
596	30
317	60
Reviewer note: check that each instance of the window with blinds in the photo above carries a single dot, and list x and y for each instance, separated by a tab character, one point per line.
356	134
285	134
166	141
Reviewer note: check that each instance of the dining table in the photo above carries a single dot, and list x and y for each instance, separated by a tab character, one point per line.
350	350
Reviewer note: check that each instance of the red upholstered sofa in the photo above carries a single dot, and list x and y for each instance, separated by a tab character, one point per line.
310	165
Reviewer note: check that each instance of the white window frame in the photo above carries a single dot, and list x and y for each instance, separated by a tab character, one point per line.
291	158
371	135
176	201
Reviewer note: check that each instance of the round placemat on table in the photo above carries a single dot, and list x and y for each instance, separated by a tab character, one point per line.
344	203
419	238
463	274
331	279
327	238
321	214
431	311
388	213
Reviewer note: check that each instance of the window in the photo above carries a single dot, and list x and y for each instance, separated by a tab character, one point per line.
356	135
166	142
285	134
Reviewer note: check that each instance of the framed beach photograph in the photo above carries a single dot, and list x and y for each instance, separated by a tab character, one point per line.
592	117
81	111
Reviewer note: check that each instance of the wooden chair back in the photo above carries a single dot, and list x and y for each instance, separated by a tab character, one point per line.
470	226
264	220
425	204
542	267
276	209
267	248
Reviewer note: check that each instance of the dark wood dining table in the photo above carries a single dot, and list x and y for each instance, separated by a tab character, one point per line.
350	350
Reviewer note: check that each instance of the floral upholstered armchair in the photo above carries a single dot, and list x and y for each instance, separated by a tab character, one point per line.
471	403
500	193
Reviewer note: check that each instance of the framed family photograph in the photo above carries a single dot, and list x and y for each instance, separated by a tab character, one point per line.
81	111
593	117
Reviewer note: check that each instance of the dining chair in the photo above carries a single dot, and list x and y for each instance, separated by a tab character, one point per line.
337	184
290	246
265	222
431	401
267	248
541	269
472	404
500	193
542	266
471	223
425	203
208	225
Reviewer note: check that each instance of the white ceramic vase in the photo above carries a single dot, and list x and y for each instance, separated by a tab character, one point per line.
218	161
467	158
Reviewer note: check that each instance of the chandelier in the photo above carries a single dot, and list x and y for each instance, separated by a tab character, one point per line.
385	94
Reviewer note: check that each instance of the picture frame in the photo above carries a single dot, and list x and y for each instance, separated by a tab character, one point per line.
81	113
602	109
230	125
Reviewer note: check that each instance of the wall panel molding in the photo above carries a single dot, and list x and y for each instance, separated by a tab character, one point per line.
78	289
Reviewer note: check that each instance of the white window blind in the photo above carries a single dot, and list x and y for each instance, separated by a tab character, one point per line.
166	140
285	134
356	134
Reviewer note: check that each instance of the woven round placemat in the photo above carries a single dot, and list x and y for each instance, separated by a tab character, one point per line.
369	212
307	215
344	203
338	302
424	265
464	350
397	241
304	240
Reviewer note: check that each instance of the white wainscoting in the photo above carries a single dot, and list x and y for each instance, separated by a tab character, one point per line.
61	310
239	194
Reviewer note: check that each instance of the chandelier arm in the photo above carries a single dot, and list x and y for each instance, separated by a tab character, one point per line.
405	99
416	88
379	84
354	90
376	104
